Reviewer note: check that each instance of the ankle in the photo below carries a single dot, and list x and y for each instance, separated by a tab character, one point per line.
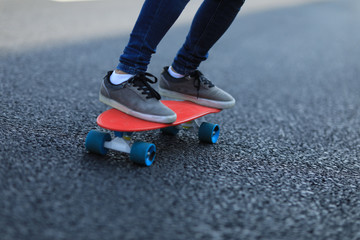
118	77
117	71
174	74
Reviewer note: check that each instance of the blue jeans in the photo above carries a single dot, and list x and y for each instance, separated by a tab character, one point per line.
157	16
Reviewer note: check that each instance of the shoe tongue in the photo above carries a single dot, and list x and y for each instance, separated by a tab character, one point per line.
138	82
145	87
198	76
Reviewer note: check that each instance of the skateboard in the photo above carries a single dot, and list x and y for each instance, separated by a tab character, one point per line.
123	125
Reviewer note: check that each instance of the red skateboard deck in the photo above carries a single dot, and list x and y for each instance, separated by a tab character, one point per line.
116	120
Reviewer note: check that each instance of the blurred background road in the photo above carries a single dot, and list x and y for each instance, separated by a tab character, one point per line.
27	24
287	164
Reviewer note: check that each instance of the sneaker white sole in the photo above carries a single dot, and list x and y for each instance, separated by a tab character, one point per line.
144	116
200	101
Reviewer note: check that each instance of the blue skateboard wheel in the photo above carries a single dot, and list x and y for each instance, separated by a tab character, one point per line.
95	140
143	153
208	132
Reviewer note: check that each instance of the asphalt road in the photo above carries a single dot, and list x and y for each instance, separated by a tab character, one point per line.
287	164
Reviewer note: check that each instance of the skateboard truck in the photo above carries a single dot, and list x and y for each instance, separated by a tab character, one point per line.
120	143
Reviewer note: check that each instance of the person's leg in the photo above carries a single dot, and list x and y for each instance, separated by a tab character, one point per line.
155	19
131	92
183	80
211	21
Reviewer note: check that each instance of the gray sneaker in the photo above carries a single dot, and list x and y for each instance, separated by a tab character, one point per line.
136	98
195	88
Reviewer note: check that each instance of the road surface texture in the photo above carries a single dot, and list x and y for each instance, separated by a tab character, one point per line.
287	164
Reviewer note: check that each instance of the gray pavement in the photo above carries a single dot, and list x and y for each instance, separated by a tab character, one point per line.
287	164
